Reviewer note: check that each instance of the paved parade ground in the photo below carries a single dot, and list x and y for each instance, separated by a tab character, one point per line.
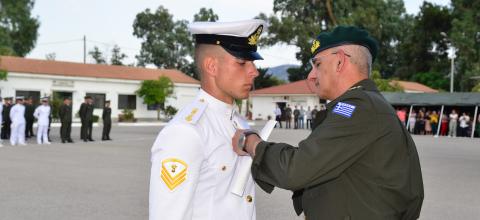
109	180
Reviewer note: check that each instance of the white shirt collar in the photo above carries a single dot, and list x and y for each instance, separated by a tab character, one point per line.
216	104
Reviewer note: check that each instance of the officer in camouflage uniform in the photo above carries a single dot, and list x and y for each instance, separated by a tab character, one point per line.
359	162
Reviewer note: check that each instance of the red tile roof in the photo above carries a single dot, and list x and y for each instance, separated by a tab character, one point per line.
414	86
34	66
299	87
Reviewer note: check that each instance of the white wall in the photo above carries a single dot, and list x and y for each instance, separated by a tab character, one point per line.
264	105
79	86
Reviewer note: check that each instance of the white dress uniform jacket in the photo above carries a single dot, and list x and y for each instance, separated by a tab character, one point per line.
17	115
193	166
41	113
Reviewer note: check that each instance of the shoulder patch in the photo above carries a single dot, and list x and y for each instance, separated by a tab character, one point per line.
344	109
174	172
192	113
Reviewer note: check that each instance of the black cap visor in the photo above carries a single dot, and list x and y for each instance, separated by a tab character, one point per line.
236	46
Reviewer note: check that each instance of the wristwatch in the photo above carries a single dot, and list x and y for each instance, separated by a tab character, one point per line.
243	138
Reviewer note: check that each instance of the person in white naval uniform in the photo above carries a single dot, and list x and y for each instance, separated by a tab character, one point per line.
192	161
17	115
42	113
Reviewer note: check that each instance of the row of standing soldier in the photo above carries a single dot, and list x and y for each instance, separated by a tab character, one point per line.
65	114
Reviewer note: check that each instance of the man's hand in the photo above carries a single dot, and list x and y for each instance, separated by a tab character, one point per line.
235	142
250	141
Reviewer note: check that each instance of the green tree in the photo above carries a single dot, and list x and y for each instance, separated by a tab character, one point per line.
432	79
166	43
465	37
18	30
205	15
117	56
385	85
425	48
265	80
298	22
97	55
155	92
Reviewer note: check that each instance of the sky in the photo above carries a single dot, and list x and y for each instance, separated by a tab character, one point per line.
104	23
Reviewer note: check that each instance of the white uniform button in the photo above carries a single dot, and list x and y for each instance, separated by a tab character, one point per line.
249	198
224	168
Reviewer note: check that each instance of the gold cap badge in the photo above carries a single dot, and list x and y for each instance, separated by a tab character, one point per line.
315	45
253	39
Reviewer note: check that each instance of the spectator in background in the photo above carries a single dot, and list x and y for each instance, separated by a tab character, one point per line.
428	126
412	119
444	125
296	114
452	125
301	118
278	116
288	117
420	124
434	122
402	115
308	115
464	124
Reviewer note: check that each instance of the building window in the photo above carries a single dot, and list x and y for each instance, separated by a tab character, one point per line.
127	102
98	99
35	95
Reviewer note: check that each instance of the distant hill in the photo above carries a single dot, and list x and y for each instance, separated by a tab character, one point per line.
281	71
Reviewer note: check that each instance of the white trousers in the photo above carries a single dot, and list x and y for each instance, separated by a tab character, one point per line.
42	133
18	134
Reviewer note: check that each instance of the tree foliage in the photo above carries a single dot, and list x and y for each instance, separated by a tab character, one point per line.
117	56
385	85
425	47
155	92
205	15
265	80
18	29
166	42
298	22
465	37
432	79
97	55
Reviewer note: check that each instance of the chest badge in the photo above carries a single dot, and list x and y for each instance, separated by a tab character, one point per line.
174	172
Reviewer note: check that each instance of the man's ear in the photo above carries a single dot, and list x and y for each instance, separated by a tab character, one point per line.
210	65
340	62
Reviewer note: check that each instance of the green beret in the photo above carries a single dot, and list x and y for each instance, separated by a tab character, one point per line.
342	35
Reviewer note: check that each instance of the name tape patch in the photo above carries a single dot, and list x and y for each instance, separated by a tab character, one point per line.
344	109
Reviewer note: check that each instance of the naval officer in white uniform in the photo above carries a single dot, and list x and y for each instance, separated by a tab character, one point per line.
17	115
42	113
192	161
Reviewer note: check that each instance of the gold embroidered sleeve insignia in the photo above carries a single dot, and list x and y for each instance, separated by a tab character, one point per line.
174	172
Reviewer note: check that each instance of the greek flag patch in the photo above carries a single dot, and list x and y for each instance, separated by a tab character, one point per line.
344	109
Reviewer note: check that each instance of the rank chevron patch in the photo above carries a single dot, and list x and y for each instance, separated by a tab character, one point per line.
174	172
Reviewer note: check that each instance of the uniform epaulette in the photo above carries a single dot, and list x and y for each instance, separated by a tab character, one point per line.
192	113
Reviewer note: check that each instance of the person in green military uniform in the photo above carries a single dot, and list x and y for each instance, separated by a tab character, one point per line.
65	114
29	109
107	121
86	116
359	162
